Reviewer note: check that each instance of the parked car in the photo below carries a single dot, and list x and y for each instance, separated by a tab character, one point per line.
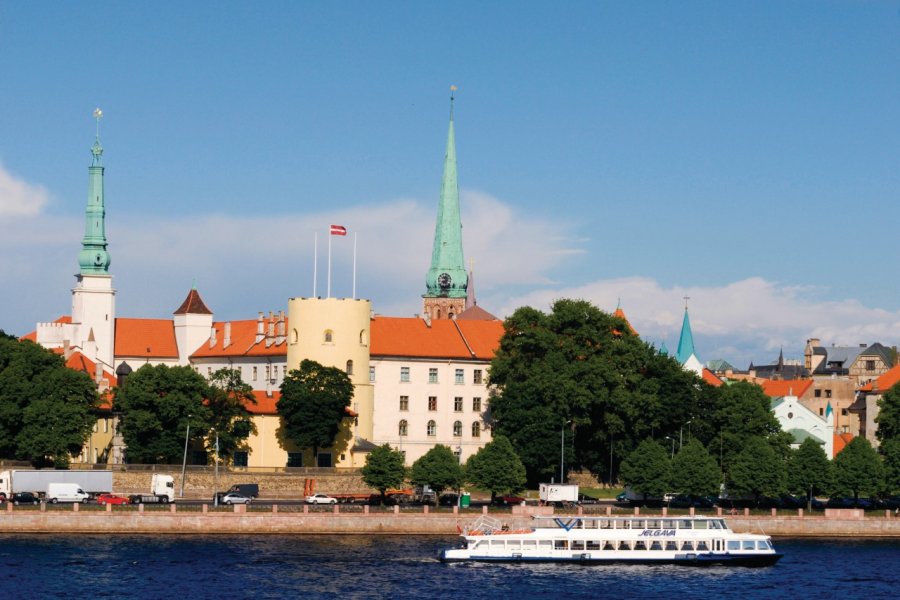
509	500
892	503
685	501
235	498
111	499
320	499
24	498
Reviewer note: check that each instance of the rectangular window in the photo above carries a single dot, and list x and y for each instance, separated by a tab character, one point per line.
404	374
268	371
105	425
323	460
432	375
821	411
477	378
199	457
457	404
295	459
371	374
818	393
870	365
460	376
404	402
254	373
240	458
843	412
476	405
828	393
432	403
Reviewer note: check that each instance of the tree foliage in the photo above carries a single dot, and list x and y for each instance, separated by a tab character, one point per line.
890	452
46	409
648	470
809	470
888	418
439	469
756	471
497	468
312	404
384	469
695	472
857	469
227	398
156	403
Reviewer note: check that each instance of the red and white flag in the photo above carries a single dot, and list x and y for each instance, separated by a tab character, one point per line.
338	230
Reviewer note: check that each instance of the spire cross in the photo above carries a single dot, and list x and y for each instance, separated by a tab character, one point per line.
685	298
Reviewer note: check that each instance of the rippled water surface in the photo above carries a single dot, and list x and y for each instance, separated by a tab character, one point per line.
197	567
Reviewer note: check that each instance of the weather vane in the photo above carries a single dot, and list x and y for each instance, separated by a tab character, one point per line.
98	114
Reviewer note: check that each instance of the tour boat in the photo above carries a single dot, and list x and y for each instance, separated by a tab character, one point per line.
605	540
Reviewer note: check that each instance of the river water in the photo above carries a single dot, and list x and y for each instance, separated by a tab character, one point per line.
227	567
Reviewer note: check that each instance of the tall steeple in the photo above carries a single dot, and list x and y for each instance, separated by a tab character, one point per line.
446	281
686	341
94	258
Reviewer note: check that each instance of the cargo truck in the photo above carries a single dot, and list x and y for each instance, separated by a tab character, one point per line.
558	493
37	481
162	491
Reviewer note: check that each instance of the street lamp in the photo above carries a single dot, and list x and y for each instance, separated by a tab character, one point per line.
562	451
187	433
681	434
669	437
216	486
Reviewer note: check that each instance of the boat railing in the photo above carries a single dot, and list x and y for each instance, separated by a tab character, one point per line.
484	525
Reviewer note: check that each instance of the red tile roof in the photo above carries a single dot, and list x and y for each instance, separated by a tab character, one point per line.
710	378
146	338
445	338
79	362
776	388
883	383
621	314
193	305
840	442
266	404
243	341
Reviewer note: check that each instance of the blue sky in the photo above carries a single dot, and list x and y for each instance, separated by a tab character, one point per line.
744	154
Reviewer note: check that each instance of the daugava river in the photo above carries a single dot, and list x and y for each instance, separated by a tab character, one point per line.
230	567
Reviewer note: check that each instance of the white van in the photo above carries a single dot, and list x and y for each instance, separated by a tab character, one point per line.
66	492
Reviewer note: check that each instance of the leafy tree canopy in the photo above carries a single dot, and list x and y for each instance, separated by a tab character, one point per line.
497	468
312	403
757	471
648	470
227	399
156	403
890	452
384	469
888	418
857	469
439	469
695	472
809	470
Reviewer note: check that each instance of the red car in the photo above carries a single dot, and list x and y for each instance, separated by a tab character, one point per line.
111	499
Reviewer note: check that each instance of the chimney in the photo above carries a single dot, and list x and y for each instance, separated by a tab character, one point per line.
98	373
212	336
270	334
863	345
280	331
260	332
226	341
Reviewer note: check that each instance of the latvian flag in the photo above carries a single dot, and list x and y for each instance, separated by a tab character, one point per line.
338	230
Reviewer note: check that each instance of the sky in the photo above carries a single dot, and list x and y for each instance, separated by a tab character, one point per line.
742	154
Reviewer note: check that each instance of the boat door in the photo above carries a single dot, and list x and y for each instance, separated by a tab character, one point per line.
717	546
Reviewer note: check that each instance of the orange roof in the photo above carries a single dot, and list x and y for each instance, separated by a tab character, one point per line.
883	383
710	378
775	388
621	314
266	404
79	362
840	442
150	338
32	337
444	338
243	341
193	305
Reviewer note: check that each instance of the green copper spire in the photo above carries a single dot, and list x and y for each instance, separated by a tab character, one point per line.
93	258
686	342
447	275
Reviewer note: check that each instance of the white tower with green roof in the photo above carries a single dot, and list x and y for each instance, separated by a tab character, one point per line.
447	281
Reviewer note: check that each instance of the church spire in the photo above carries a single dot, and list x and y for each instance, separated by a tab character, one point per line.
686	341
446	278
93	258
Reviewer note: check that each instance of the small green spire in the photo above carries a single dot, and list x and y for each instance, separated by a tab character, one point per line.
93	258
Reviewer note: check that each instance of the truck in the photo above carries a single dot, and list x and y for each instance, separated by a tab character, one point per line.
162	491
36	481
66	492
558	493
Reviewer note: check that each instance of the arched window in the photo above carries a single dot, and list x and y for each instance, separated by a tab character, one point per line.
432	428
457	429
437	314
476	429
363	340
329	336
404	428
294	336
349	367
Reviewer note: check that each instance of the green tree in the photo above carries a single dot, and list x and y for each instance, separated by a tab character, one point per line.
857	469
809	470
384	469
497	468
156	403
439	469
695	472
227	400
647	470
312	404
890	453
579	365
757	471
888	418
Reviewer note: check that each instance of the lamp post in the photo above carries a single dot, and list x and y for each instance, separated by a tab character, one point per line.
562	451
216	485
187	434
669	437
681	434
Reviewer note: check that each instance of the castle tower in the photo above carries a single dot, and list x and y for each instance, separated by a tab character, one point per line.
93	298
446	281
193	321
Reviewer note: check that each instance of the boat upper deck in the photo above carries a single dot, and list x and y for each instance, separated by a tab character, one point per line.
641	523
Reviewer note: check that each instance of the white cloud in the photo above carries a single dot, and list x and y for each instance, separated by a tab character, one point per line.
19	198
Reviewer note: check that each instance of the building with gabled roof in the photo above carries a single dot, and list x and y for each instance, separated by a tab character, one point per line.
803	423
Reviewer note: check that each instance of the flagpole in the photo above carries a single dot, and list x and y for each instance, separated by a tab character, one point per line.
354	265
329	265
315	260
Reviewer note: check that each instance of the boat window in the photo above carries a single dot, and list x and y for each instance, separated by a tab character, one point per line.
560	544
652	524
513	544
749	545
590	524
544	544
702	545
723	524
734	544
479	544
640	545
685	524
656	545
701	524
577	544
671	545
529	544
765	545
668	524
687	545
498	543
623	545
594	545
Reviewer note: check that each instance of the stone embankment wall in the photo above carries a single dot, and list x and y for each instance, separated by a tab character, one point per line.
276	519
271	485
